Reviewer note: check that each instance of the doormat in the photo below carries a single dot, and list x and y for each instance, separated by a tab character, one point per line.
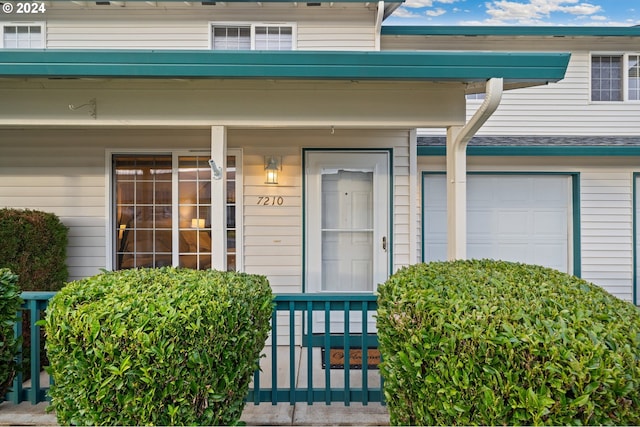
336	358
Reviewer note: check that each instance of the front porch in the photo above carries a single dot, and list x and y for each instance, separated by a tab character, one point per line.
293	386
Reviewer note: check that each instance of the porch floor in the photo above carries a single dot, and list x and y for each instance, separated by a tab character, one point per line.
265	414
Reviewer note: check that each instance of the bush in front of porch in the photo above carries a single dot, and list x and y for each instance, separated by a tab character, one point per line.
9	305
34	246
486	342
163	346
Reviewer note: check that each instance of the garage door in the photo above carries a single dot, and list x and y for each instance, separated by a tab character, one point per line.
513	217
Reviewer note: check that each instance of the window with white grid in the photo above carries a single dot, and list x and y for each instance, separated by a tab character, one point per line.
273	38
231	38
22	36
606	78
252	37
633	75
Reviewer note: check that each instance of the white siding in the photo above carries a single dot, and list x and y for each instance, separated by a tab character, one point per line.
562	108
63	172
606	211
340	26
607	224
273	234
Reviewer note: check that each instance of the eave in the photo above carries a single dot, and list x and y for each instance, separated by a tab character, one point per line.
473	31
517	69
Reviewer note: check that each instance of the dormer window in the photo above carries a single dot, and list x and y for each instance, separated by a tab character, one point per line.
252	37
22	36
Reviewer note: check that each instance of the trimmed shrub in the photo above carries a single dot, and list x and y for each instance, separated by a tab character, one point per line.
160	346
498	343
9	305
34	246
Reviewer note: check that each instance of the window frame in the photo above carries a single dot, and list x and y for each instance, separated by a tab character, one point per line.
625	76
110	199
41	24
252	26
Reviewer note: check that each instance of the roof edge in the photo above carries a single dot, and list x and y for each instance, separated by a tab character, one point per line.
534	67
542	31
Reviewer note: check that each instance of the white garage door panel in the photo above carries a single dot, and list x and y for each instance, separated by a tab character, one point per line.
523	218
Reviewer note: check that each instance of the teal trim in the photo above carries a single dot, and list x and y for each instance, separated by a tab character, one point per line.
636	175
370	65
470	31
575	206
547	150
577	224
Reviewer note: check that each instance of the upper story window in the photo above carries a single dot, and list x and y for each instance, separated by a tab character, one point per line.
634	77
22	36
473	96
615	77
252	37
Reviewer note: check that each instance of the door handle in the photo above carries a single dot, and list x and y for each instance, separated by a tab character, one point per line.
384	243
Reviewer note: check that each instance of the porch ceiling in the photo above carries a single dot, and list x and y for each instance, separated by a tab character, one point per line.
517	68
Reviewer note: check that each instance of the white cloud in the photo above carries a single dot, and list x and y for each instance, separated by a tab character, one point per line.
534	11
598	18
436	12
401	12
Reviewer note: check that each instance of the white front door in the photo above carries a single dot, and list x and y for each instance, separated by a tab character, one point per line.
347	221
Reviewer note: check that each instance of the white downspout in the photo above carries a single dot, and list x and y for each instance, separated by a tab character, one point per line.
378	24
457	139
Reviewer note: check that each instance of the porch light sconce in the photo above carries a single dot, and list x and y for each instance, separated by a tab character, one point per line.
215	170
272	165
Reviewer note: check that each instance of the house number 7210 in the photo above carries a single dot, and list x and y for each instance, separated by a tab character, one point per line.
270	200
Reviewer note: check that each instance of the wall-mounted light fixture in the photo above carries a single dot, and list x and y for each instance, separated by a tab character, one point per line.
272	165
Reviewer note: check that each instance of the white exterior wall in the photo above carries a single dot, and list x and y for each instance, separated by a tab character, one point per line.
65	172
273	234
562	108
342	26
606	210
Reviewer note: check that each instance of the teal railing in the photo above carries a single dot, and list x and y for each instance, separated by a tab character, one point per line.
304	343
308	330
33	391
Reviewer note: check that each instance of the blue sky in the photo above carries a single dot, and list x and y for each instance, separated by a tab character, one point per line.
518	12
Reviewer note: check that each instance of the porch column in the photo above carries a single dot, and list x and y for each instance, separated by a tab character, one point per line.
456	195
457	139
218	197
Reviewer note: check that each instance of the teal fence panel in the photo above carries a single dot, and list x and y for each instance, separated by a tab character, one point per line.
308	320
33	391
299	342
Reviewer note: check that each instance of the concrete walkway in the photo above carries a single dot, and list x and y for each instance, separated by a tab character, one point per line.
265	414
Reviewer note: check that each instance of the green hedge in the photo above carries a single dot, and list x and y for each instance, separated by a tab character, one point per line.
9	305
34	246
498	343
156	346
